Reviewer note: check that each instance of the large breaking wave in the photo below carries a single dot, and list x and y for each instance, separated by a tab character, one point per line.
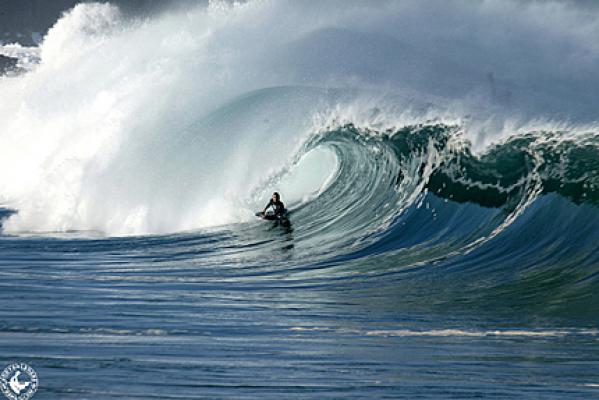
188	119
440	161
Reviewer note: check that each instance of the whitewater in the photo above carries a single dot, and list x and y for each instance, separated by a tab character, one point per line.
440	162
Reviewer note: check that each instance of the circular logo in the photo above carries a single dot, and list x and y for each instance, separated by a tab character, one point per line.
18	381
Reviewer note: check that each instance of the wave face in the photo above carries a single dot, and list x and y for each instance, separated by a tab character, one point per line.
515	225
387	147
190	119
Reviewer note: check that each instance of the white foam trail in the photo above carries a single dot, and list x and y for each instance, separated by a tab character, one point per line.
140	126
482	333
459	332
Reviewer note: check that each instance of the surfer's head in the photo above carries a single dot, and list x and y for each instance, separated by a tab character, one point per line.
275	196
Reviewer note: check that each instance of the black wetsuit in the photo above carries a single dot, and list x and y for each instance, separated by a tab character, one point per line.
278	207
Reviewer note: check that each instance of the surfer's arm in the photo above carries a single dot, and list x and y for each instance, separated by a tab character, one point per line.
265	208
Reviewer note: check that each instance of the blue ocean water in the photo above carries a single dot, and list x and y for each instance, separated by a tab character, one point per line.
250	311
443	203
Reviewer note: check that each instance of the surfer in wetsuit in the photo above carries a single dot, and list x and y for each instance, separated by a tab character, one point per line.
276	204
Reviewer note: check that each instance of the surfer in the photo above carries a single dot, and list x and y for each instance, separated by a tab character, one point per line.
276	205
